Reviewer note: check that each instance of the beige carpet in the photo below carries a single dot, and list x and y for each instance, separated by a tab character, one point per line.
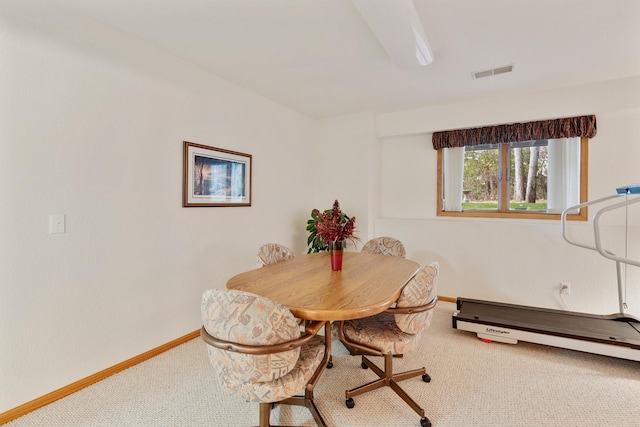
473	384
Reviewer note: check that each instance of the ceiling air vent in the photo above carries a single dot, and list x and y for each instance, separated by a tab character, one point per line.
492	72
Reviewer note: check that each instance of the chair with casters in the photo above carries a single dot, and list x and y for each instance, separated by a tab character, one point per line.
385	246
270	253
259	352
393	333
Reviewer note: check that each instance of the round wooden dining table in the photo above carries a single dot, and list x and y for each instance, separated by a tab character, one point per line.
367	284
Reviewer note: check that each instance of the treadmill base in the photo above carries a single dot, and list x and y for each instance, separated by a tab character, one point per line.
615	336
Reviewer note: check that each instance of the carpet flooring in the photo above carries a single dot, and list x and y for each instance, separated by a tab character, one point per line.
473	384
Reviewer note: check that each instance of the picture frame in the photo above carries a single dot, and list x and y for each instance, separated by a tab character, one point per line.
215	177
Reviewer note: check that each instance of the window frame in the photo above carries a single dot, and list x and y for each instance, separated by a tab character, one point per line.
503	211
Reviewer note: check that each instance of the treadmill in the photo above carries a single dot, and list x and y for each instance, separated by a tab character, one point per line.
616	335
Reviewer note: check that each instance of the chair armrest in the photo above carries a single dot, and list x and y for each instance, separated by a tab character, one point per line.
312	328
309	332
411	310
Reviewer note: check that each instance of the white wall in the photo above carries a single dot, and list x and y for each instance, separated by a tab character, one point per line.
515	261
346	164
92	124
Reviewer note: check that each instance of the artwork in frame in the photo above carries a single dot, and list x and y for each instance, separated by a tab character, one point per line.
215	177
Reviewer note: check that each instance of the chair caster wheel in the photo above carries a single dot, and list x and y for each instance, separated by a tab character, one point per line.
426	378
351	403
364	365
424	422
330	364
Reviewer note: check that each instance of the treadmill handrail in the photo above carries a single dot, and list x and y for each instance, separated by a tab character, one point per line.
598	240
563	220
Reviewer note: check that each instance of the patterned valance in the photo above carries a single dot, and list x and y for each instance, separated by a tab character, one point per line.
516	132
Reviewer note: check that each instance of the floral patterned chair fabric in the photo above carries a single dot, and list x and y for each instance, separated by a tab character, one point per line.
385	246
421	290
379	332
394	332
241	324
397	333
271	253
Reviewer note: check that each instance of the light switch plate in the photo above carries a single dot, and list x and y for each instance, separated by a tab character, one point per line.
56	224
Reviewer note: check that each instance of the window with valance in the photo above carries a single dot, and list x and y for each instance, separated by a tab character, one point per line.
531	170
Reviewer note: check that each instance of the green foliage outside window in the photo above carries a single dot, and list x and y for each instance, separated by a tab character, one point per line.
481	183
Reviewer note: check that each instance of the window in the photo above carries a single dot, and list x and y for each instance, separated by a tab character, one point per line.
484	174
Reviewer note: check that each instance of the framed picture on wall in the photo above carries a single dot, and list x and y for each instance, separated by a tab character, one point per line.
215	177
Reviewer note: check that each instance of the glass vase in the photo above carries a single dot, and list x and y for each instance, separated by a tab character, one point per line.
336	249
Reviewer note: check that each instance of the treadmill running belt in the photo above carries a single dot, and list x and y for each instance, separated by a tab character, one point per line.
551	322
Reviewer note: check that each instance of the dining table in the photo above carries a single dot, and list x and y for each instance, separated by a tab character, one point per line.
366	285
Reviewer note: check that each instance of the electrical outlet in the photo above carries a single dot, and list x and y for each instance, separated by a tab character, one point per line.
565	288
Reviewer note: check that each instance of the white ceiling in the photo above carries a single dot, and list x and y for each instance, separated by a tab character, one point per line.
319	57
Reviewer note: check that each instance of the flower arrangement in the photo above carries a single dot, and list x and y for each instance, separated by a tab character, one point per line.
331	225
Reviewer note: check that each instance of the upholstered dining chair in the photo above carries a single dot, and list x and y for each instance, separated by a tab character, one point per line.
385	246
270	253
393	333
259	352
